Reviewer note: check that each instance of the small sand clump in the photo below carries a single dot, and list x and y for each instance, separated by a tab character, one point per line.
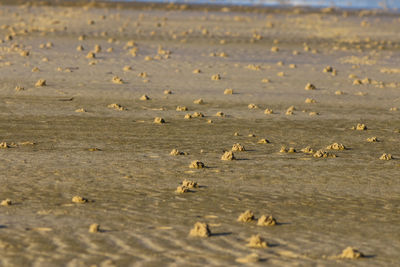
188	116
117	80
268	111
310	86
190	184
79	199
323	154
256	241
228	155
336	146
182	189
6	202
252	106
360	127
116	107
216	77
310	101
144	98
80	110
200	230
196	165
220	114
307	150
338	92
196	71
167	92
4	145
263	141
176	152
91	55
159	120
94	228
238	147
351	253
386	157
197	115
40	83
198	101
372	139
266	220
246	216
181	108
228	91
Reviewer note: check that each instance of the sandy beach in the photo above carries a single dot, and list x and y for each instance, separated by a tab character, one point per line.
293	113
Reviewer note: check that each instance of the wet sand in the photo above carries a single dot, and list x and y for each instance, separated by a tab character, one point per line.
119	160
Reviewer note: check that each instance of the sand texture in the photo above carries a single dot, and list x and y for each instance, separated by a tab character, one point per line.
89	118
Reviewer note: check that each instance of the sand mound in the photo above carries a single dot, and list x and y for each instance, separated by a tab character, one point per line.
188	116
182	189
40	83
246	216
323	154
144	98
216	77
79	199
116	107
200	230
336	146
198	101
310	101
189	184
196	71
167	92
127	68
117	80
360	127
310	86
252	106
372	139
4	145
228	155
287	150
338	92
6	202
196	165
181	108
228	91
238	147
91	55
197	115
351	253
94	228
158	120
80	110
268	111
256	241
263	141
249	258
290	110
176	152
220	114
307	150
266	220
386	157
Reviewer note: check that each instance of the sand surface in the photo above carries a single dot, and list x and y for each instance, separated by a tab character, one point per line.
118	159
